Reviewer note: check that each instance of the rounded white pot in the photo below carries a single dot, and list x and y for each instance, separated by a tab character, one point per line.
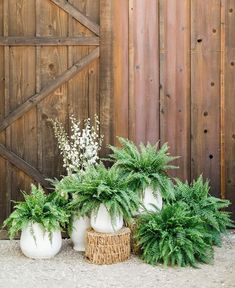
78	236
101	222
35	242
150	199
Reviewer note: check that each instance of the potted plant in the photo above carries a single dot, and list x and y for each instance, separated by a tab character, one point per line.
195	196
40	218
105	195
149	166
173	236
67	188
79	151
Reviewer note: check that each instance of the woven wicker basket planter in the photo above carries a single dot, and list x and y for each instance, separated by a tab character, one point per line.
135	249
104	248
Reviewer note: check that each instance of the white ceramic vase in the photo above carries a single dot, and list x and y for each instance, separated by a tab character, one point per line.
78	236
101	222
150	199
35	242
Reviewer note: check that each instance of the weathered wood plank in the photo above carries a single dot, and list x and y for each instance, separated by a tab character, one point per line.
7	190
22	86
120	68
49	88
49	41
84	20
23	131
145	70
22	165
3	163
205	91
131	90
78	99
53	22
175	87
106	75
1	14
229	90
20	16
222	101
38	85
93	12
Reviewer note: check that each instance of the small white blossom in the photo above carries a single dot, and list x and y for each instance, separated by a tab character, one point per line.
80	150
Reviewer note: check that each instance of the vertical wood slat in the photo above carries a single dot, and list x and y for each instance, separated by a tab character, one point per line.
22	72
229	104
7	104
120	68
3	163
93	12
53	22
38	87
143	70
205	89
222	100
175	86
106	75
83	98
131	90
78	100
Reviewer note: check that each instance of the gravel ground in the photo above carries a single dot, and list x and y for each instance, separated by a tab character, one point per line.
69	269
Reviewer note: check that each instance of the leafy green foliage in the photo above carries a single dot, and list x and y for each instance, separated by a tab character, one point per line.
37	207
67	190
197	199
99	185
173	237
148	165
184	232
67	186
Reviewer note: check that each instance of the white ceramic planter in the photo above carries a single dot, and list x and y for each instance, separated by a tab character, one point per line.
149	198
101	222
78	236
38	245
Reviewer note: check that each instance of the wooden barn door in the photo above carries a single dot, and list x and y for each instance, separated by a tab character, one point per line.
49	68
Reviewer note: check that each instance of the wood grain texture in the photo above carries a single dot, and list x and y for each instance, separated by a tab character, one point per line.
39	58
120	68
78	15
49	41
52	85
3	163
205	90
6	61
143	71
21	87
106	74
164	70
229	85
175	84
54	23
23	166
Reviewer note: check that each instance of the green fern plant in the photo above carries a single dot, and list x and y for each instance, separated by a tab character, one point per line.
100	185
67	189
37	207
67	186
210	209
148	165
173	237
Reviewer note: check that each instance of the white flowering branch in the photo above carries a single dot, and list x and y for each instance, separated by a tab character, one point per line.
80	150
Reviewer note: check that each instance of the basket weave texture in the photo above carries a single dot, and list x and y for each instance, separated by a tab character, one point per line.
135	249
102	248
